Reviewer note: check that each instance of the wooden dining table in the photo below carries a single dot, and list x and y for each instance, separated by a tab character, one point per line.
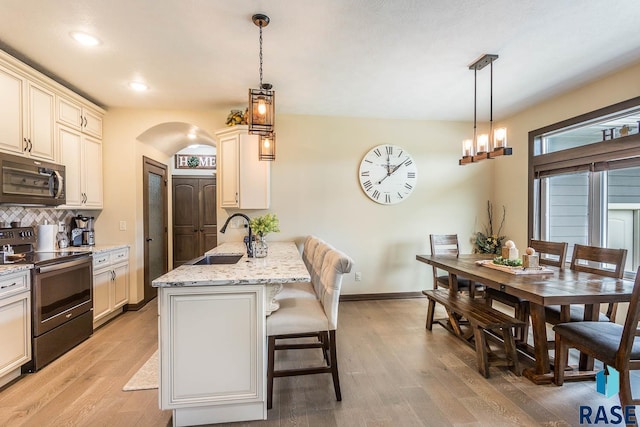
559	287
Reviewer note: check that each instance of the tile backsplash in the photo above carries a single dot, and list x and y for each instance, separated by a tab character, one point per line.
33	216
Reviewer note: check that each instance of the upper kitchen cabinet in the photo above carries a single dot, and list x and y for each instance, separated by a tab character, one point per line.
79	117
26	116
243	180
82	156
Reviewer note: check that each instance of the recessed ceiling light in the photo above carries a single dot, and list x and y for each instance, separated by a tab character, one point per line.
191	135
85	39
138	86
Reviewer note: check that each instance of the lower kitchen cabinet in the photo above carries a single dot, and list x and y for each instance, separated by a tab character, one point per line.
15	324
110	284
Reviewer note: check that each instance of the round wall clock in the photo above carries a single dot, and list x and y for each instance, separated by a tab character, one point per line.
387	174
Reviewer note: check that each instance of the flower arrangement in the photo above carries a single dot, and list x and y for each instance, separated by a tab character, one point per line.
488	242
237	117
261	225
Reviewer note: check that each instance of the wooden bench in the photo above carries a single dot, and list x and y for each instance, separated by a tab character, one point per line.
482	318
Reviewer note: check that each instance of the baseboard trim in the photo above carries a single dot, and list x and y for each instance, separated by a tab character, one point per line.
137	306
381	296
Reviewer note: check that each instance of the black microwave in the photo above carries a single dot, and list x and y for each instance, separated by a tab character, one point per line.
26	181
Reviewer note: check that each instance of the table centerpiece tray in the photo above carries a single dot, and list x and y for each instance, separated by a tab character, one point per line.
514	270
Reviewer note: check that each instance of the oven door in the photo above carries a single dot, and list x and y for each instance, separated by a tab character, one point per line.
61	291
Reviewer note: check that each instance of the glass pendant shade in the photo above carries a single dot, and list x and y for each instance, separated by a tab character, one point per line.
500	138
468	149
267	148
482	144
261	110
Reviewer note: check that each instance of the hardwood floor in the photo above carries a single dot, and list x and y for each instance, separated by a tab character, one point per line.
392	371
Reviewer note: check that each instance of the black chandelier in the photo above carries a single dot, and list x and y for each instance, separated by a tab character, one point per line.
479	148
262	106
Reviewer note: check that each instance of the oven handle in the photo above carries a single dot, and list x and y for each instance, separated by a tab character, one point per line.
62	265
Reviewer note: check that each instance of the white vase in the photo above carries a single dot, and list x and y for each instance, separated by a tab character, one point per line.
260	248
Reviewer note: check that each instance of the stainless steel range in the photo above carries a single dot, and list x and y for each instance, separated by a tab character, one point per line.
61	296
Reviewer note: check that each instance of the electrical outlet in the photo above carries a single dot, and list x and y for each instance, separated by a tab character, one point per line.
358	276
123	225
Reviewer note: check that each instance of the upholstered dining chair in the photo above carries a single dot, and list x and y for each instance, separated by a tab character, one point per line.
550	253
310	318
447	244
615	345
592	259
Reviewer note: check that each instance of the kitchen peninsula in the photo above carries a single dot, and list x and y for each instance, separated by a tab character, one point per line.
212	333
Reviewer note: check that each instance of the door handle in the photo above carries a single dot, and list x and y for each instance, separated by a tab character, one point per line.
26	146
148	239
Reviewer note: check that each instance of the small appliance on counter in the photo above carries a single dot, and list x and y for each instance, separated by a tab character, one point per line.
82	233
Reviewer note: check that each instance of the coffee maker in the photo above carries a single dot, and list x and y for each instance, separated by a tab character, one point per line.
82	233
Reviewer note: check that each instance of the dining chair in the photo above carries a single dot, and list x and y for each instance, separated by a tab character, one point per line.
591	259
310	318
550	253
447	244
615	345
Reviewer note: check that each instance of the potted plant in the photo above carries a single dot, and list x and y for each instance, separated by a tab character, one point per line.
261	226
489	242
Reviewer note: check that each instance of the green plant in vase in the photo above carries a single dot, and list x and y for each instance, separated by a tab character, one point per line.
261	226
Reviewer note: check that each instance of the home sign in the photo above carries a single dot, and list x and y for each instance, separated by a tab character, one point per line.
195	161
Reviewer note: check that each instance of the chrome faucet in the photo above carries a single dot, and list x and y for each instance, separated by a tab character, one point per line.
248	240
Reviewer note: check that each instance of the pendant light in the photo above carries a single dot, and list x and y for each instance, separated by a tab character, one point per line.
481	147
262	105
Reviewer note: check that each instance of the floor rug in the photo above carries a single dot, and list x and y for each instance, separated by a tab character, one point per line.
147	376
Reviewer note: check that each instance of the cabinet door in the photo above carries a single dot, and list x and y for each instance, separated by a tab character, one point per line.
69	113
92	122
15	332
120	285
12	110
70	144
41	131
229	171
102	304
92	172
254	184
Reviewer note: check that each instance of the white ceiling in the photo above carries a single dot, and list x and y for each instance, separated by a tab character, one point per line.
370	58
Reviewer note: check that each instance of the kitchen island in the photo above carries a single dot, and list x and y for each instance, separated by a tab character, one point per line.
212	333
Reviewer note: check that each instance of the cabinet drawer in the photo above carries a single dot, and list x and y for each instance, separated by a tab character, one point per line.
120	255
14	283
101	260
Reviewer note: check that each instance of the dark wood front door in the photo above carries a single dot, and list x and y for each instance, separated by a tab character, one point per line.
194	217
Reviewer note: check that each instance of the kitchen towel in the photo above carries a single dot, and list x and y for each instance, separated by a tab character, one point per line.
46	238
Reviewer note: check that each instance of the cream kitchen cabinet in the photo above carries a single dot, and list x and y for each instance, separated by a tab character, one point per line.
26	116
110	284
15	324
243	180
78	117
82	157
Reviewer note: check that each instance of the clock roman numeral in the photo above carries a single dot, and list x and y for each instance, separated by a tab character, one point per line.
377	151
376	194
364	173
387	198
400	153
389	150
408	186
367	185
368	161
399	195
408	162
411	174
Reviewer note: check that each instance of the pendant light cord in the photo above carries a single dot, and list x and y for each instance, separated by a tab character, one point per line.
260	56
491	100
475	106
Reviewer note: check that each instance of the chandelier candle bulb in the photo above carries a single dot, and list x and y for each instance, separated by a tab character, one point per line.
500	138
467	148
483	143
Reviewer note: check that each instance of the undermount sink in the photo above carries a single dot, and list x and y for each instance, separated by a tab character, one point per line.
215	259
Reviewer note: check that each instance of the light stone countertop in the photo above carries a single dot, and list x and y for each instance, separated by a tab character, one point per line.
96	249
14	268
282	265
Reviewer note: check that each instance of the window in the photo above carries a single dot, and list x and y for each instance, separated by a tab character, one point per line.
584	181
